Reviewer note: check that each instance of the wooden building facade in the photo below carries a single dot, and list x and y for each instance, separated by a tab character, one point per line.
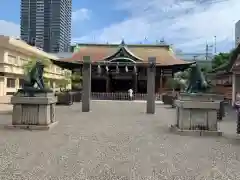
119	67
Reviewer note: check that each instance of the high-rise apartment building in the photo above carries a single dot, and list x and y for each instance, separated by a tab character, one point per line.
47	24
237	33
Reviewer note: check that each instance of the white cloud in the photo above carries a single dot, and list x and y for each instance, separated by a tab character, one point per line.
81	14
9	28
186	24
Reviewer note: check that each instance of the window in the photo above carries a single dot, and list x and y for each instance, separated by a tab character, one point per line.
22	61
10	93
58	70
11	83
12	59
51	84
21	83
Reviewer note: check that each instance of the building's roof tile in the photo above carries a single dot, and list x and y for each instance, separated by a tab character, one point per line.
98	53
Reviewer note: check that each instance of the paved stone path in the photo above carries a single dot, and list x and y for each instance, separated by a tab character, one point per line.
114	141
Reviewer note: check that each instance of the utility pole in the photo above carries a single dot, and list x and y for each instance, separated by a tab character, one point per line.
215	44
194	57
207	50
207	47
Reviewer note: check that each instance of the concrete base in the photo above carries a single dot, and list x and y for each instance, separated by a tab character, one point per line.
178	131
200	97
195	114
32	127
34	112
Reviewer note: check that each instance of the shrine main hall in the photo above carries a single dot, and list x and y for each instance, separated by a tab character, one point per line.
119	67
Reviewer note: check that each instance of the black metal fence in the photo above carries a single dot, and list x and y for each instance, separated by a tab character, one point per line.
69	97
120	96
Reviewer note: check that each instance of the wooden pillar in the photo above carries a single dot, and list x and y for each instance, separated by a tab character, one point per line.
161	82
136	83
107	83
135	89
233	88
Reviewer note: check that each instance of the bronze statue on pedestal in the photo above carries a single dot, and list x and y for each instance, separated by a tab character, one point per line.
197	82
33	82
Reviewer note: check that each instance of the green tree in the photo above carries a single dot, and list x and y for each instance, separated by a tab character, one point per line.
172	83
29	65
220	59
76	80
76	76
46	82
179	81
62	83
205	69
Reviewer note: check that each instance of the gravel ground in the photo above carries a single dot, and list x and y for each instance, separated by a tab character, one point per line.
117	140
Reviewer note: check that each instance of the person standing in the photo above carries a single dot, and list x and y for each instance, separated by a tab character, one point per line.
130	93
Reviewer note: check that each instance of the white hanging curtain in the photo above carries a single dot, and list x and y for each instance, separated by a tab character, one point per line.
107	69
99	69
117	69
126	68
135	69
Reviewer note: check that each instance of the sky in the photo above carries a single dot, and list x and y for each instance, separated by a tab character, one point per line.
186	24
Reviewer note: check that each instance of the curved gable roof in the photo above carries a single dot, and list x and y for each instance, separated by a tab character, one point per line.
100	52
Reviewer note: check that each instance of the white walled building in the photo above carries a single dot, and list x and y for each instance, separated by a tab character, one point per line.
14	54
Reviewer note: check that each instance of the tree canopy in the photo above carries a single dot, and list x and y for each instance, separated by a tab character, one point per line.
76	80
29	65
62	83
224	61
220	59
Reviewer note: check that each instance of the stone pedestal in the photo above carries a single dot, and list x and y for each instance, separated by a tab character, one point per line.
201	97
34	112
197	115
206	97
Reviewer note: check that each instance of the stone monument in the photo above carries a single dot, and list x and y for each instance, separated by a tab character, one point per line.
34	104
196	110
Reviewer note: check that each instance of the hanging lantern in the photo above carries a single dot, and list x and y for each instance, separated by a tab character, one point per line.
99	70
135	69
126	68
117	69
107	69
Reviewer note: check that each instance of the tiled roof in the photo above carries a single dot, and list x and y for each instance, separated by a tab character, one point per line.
99	52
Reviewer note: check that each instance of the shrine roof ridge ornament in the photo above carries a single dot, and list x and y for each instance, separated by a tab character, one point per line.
122	46
122	58
132	63
86	59
117	45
